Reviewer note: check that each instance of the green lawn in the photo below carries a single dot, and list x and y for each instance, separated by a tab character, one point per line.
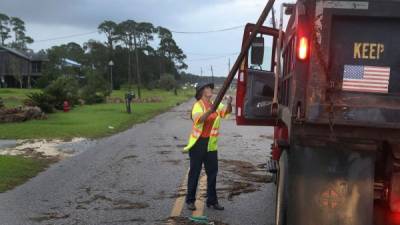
92	121
15	170
13	97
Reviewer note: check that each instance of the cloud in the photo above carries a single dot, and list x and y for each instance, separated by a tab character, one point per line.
89	13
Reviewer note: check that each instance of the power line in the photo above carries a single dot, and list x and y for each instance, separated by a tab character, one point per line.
173	31
209	31
65	37
211	58
211	55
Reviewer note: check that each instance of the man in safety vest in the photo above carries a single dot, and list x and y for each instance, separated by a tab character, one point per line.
202	145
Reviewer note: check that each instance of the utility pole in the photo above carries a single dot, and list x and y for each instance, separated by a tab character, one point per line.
201	71
212	74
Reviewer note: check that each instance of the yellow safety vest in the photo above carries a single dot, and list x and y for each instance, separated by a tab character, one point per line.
197	128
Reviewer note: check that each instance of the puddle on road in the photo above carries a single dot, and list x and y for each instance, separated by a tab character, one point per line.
8	143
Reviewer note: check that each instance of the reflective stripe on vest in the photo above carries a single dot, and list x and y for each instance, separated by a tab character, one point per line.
197	129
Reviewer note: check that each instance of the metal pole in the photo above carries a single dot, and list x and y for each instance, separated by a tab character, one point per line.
242	54
111	77
212	74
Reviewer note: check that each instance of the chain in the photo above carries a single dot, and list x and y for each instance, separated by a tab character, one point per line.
324	65
331	119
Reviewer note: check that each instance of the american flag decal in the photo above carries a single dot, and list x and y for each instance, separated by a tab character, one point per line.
366	78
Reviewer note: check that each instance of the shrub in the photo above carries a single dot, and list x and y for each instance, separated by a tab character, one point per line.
151	85
63	89
96	89
167	82
47	77
41	100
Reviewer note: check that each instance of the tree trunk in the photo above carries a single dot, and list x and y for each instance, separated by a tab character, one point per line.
137	67
129	68
29	82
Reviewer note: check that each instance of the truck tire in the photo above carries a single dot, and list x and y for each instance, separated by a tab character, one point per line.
281	191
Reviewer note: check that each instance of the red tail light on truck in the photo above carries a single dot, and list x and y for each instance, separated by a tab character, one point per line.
303	49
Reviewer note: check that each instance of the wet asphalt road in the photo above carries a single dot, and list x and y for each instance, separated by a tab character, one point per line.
134	178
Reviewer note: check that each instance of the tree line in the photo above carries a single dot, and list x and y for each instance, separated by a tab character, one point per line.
141	53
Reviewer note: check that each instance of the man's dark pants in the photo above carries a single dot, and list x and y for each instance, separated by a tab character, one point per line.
199	155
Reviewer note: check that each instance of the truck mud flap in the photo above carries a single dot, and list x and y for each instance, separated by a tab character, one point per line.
332	185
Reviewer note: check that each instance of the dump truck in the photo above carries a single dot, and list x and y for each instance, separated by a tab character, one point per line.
328	80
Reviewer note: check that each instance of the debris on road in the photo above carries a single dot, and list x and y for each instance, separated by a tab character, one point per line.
129	157
174	162
108	203
164	152
55	149
187	221
245	170
125	204
49	216
239	177
267	136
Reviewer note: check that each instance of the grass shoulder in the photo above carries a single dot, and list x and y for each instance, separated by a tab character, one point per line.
15	170
91	121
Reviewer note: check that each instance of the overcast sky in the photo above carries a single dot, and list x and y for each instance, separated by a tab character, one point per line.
48	19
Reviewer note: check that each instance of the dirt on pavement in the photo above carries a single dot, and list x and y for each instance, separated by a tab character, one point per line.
187	221
239	177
